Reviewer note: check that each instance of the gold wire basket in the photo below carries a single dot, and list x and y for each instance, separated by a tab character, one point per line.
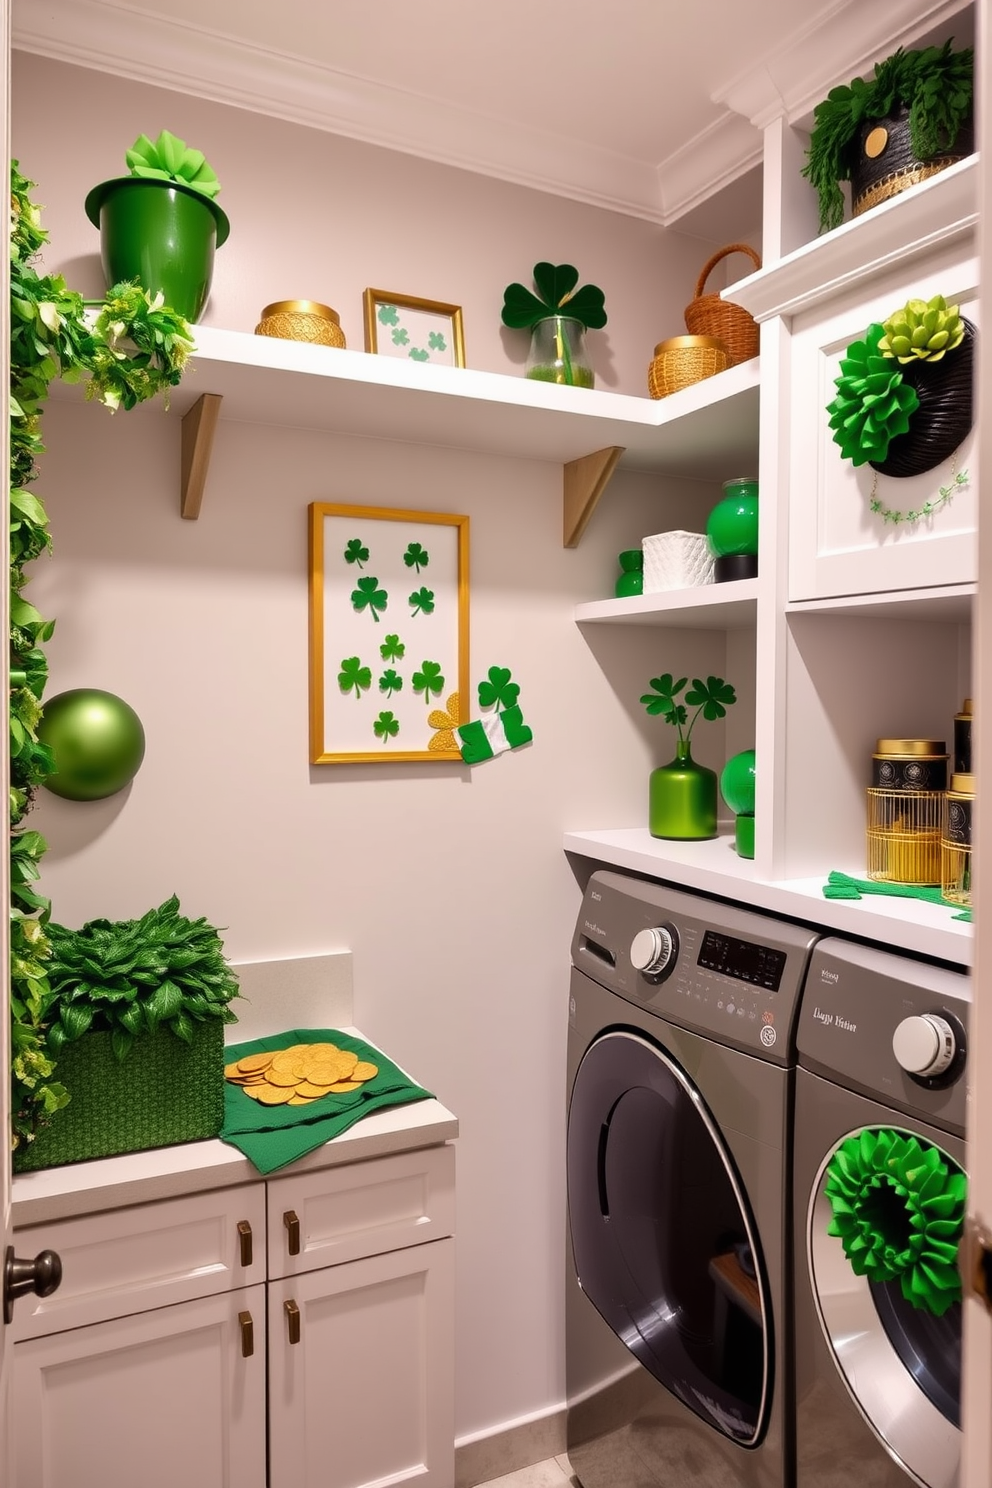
301	320
683	360
904	836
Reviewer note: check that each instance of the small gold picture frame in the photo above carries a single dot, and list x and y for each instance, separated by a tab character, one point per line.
414	329
389	665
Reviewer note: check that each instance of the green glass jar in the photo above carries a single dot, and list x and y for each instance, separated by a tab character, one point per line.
558	353
682	799
732	528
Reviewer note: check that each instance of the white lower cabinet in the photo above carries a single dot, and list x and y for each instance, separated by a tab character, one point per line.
290	1333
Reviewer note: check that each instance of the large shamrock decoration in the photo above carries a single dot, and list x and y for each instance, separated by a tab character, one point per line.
556	295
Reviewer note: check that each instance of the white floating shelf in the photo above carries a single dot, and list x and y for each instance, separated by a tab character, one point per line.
949	603
730	606
714	868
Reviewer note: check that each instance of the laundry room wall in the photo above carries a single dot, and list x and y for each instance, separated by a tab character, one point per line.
449	885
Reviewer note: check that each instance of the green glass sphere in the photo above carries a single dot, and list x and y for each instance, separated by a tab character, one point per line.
737	783
97	741
732	525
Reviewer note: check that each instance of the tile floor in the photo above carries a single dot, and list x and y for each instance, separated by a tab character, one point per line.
554	1473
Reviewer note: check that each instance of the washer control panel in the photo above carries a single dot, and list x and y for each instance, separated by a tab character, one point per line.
924	1044
712	967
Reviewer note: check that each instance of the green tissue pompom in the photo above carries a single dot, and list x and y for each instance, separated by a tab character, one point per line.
873	403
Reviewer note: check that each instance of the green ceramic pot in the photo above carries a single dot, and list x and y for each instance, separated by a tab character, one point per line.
161	234
732	528
682	799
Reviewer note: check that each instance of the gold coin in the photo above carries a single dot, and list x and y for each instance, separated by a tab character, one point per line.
343	1085
348	1058
364	1070
273	1095
300	1100
282	1077
312	1091
251	1091
284	1060
252	1062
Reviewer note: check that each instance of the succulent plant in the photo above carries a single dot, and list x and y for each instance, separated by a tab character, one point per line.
923	330
873	402
171	159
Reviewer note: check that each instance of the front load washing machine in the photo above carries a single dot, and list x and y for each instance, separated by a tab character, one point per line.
882	1051
680	1070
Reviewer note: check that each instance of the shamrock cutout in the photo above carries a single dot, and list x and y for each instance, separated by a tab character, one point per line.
401	336
356	552
388	315
498	691
369	595
390	682
556	295
392	649
353	676
445	722
416	556
419	355
428	680
436	341
386	727
422	601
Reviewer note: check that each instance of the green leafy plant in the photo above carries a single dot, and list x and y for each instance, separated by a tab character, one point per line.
171	159
126	348
390	682
422	601
416	556
353	677
356	552
369	596
936	85
923	330
711	698
392	649
429	680
498	691
556	295
131	977
873	402
386	727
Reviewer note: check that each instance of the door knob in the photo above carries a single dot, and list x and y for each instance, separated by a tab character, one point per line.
41	1276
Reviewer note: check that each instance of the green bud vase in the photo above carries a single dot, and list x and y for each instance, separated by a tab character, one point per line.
682	799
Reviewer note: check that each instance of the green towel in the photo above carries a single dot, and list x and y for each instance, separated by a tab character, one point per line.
272	1136
843	886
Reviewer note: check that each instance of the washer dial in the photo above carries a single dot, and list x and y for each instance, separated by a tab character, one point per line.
924	1045
652	951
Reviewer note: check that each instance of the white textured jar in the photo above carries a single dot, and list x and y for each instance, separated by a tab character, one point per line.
676	560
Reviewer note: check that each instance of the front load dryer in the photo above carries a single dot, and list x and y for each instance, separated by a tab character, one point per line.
680	1055
882	1054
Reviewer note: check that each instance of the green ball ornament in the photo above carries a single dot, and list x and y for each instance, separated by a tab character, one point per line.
732	525
97	741
737	783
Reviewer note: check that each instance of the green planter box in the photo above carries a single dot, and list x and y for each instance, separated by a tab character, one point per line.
166	1091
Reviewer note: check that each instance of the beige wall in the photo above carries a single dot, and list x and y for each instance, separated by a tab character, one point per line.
448	884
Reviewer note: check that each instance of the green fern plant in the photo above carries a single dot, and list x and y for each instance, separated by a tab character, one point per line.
131	977
936	85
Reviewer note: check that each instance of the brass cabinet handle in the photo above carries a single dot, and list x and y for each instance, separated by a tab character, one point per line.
247	1334
293	1319
244	1240
292	1224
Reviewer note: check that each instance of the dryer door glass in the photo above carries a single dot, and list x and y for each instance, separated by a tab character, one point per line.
663	1241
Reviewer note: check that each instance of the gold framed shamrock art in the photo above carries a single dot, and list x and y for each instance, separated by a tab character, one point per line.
413	329
389	663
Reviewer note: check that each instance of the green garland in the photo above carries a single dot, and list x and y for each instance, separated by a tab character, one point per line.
898	1210
128	350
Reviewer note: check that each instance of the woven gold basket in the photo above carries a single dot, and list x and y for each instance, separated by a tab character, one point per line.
683	360
301	320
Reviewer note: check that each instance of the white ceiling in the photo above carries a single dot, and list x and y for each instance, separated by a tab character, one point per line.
644	106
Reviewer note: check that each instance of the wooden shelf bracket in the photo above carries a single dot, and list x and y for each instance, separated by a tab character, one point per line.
584	481
199	424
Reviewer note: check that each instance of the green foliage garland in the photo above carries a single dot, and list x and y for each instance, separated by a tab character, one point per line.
130	349
935	84
130	977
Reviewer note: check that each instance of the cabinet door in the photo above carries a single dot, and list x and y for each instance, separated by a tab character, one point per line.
158	1399
367	1393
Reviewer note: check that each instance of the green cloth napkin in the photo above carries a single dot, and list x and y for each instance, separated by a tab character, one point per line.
272	1136
843	886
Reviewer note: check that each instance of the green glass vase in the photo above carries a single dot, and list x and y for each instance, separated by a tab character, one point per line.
682	799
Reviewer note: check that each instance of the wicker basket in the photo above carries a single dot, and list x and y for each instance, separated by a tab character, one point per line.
301	320
709	315
165	1091
683	360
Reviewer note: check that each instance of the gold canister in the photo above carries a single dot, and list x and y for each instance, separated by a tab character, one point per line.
909	765
301	320
963	738
955	839
683	360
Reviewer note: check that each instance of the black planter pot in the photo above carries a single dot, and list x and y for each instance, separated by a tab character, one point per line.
945	414
884	162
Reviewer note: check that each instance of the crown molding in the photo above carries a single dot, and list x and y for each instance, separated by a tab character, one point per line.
711	160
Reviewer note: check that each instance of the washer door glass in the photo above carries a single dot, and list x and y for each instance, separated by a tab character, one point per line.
664	1246
901	1364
